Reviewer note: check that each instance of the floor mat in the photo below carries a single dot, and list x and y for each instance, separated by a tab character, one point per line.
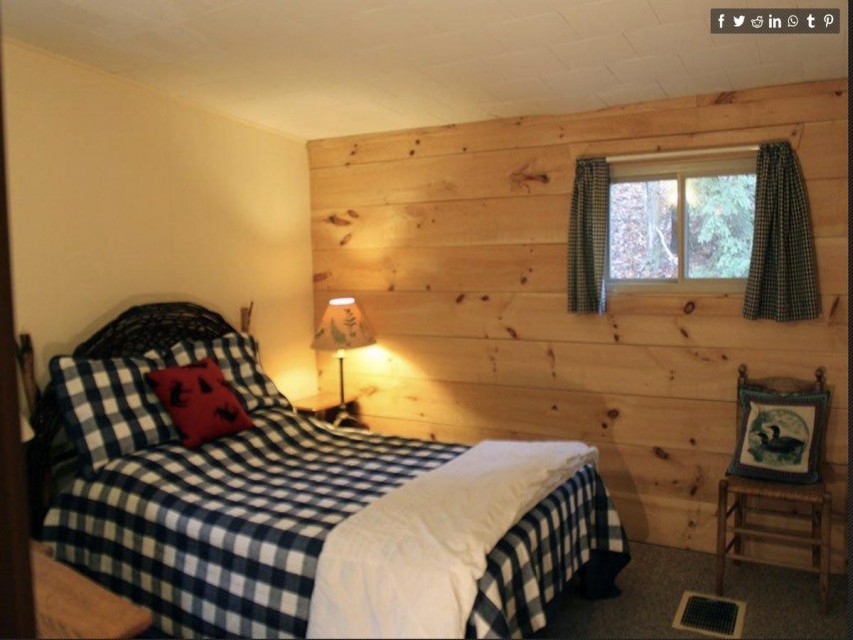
710	615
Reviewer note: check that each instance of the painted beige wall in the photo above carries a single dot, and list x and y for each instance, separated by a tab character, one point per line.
120	195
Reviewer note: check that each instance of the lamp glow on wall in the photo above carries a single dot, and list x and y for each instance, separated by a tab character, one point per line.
343	327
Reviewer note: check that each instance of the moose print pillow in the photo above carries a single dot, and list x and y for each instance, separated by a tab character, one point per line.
780	436
200	401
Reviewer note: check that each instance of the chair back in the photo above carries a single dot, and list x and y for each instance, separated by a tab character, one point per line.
780	385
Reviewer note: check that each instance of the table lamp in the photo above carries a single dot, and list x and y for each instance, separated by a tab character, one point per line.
343	327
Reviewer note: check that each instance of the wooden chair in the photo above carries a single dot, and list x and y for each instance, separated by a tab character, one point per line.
743	490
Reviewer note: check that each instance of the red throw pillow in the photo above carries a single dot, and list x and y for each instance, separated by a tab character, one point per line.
201	403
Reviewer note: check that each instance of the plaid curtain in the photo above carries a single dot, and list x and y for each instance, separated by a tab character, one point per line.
782	284
588	236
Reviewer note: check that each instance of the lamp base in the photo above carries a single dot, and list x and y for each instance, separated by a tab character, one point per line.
343	418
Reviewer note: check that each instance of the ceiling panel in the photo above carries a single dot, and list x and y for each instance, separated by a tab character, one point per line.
324	68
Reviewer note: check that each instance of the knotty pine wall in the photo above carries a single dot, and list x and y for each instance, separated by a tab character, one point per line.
453	239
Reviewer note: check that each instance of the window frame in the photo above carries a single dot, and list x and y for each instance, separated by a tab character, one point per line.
678	169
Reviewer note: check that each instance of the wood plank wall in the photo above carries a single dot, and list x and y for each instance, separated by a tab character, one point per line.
453	239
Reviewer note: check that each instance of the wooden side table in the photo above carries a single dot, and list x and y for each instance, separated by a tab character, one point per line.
325	406
70	605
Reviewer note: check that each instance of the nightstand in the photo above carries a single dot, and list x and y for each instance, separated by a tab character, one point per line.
325	406
70	605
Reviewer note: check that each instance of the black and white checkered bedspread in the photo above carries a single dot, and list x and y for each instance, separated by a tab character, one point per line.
224	540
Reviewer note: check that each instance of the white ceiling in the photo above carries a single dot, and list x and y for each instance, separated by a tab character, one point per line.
325	68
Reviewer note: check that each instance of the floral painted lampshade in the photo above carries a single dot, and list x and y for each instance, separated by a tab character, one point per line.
343	326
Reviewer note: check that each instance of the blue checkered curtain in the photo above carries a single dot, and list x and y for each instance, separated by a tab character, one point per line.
588	236
783	284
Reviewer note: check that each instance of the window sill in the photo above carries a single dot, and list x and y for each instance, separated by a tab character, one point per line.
732	287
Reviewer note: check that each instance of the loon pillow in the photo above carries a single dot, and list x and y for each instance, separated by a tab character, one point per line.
780	435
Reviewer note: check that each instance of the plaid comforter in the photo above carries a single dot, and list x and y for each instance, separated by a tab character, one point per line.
224	540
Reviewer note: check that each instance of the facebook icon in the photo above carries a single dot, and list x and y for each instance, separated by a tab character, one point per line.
722	19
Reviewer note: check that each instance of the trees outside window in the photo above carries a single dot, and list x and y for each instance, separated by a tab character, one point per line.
682	224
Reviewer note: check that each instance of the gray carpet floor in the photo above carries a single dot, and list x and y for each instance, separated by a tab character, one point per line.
780	603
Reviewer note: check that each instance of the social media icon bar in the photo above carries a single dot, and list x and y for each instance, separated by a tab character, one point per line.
768	20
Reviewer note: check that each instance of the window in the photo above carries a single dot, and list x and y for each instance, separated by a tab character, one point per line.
681	223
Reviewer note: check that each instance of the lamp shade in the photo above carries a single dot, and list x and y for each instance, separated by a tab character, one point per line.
343	326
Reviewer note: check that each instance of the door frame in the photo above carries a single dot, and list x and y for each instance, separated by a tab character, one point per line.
17	617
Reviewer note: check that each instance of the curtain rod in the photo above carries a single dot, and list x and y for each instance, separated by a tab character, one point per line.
663	155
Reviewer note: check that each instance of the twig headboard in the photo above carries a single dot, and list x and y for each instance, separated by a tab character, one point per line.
132	333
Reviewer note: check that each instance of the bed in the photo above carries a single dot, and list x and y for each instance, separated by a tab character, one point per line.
225	539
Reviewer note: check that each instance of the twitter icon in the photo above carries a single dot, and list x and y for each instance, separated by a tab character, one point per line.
738	20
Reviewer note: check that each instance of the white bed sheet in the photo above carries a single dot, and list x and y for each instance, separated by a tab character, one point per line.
407	565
